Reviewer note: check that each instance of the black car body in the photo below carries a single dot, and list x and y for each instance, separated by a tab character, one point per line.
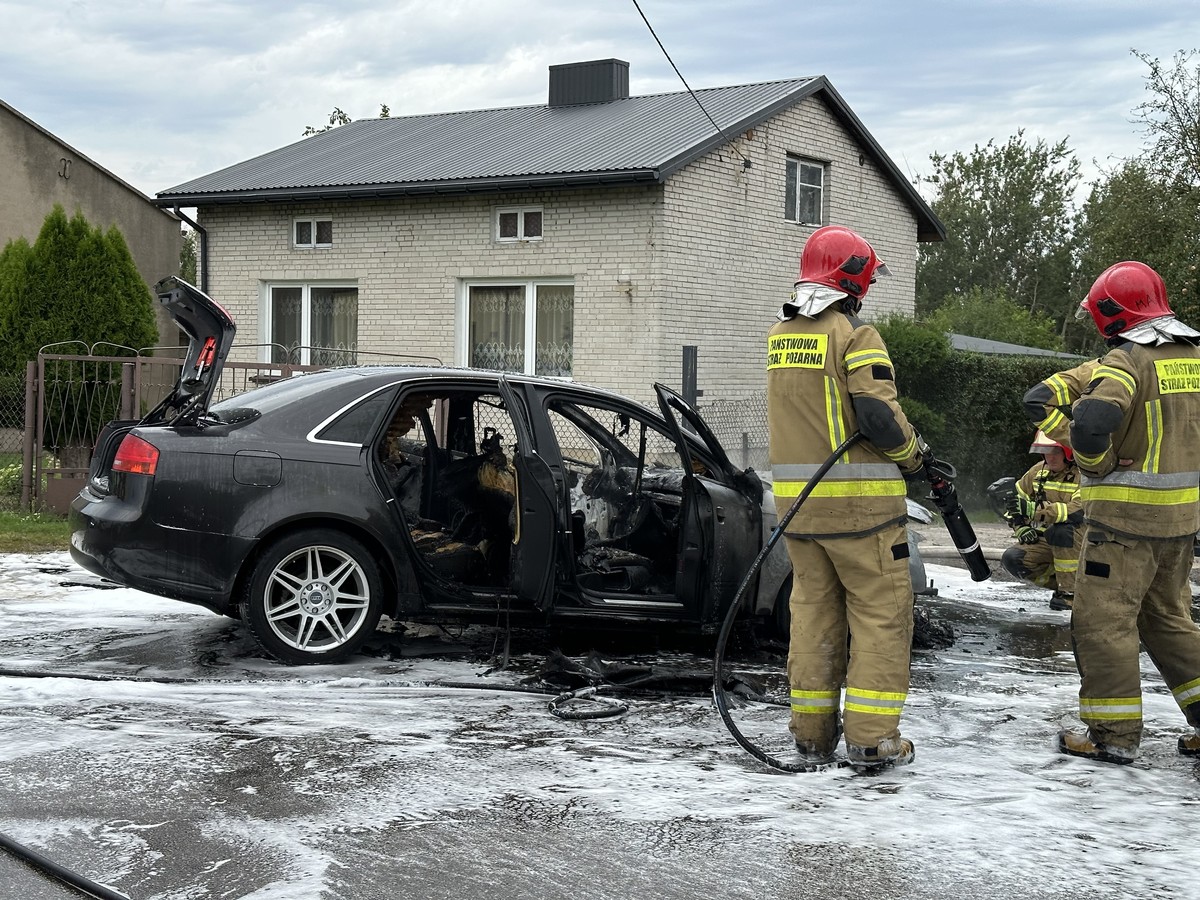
312	506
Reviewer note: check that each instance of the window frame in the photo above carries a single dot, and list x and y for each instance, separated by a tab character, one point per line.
792	203
462	318
313	222
521	212
306	288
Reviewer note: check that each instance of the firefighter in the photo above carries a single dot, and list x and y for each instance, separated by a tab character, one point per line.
828	375
1136	436
1048	403
1046	516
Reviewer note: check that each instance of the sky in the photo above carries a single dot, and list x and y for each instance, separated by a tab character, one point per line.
158	752
163	91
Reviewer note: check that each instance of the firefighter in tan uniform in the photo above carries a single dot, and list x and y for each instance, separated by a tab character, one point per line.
1136	436
1048	403
1046	515
828	375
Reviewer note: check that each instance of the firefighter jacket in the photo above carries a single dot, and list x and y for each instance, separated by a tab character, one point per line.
827	377
1048	403
1143	404
1056	495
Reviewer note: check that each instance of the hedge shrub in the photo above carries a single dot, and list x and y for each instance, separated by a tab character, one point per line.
967	405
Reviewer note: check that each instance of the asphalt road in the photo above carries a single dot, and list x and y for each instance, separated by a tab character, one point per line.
196	769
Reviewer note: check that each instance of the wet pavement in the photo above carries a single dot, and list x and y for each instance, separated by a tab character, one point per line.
159	753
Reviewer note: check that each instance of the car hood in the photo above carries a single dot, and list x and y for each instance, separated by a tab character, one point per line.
210	332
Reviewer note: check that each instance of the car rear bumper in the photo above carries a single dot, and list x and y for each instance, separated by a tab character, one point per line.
115	540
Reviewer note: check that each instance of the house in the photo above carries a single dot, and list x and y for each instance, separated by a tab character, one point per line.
595	236
44	170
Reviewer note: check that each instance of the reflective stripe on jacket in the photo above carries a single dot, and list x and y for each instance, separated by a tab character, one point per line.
1048	403
1143	404
821	373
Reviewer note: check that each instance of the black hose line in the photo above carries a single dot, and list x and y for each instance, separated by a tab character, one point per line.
59	873
718	689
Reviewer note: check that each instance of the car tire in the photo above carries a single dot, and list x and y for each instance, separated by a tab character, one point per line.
314	596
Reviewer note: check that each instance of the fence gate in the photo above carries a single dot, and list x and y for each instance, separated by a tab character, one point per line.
69	398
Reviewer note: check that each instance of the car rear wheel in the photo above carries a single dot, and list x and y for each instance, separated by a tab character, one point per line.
313	597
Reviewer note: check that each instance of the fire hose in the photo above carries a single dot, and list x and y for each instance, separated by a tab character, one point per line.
940	476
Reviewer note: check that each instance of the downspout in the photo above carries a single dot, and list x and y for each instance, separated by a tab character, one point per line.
203	285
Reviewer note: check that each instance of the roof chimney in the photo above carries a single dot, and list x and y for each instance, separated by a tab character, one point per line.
597	81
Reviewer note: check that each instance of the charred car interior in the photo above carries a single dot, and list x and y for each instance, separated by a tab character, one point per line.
447	458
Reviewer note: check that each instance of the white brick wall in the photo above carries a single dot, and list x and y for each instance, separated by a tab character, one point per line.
708	257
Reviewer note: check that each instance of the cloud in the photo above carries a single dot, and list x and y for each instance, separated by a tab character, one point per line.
162	92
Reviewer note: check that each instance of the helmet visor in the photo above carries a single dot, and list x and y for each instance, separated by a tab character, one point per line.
1081	312
881	270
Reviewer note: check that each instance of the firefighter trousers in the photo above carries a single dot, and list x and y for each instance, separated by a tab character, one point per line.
852	618
1045	564
1128	592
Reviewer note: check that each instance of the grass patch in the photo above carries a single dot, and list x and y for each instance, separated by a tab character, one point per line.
32	532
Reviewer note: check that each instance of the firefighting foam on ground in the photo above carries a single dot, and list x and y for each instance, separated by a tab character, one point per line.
167	758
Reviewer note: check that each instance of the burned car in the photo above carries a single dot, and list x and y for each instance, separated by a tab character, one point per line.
312	506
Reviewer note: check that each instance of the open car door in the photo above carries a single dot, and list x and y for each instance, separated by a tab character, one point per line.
720	530
210	332
534	546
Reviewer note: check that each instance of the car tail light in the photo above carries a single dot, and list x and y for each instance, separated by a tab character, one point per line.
136	456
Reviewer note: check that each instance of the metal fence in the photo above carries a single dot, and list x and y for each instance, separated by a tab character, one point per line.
740	424
50	417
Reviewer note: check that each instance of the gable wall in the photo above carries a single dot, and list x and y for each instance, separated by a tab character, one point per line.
40	171
730	259
408	256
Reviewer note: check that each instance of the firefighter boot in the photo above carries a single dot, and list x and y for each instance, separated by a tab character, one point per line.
895	751
1061	600
1080	743
1189	744
813	755
821	752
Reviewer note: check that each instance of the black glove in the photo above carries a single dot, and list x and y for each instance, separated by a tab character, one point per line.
1026	534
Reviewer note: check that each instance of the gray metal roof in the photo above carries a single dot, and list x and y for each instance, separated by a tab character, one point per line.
627	140
1000	348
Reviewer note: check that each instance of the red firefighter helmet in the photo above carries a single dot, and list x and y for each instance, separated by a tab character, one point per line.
1042	444
1126	294
841	259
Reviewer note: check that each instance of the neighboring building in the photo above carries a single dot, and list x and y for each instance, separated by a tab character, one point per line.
1001	348
593	237
41	170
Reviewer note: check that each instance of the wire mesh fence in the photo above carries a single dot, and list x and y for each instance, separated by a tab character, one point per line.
740	424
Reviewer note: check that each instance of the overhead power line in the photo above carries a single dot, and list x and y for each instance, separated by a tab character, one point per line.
720	130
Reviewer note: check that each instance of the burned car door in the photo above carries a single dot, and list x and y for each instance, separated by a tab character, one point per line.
720	517
535	511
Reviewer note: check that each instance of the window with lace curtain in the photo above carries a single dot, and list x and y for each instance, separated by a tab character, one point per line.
525	326
312	324
804	191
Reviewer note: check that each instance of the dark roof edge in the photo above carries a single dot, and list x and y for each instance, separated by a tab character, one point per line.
929	226
408	189
91	162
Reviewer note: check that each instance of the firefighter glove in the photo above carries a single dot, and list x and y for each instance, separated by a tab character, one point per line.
1026	534
1021	507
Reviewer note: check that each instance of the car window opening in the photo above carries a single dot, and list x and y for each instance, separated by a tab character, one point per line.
446	462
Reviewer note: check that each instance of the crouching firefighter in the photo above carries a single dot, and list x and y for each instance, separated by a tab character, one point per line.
829	374
1046	514
1136	436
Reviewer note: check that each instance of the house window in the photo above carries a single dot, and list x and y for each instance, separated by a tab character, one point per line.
519	223
805	195
312	324
519	326
309	233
